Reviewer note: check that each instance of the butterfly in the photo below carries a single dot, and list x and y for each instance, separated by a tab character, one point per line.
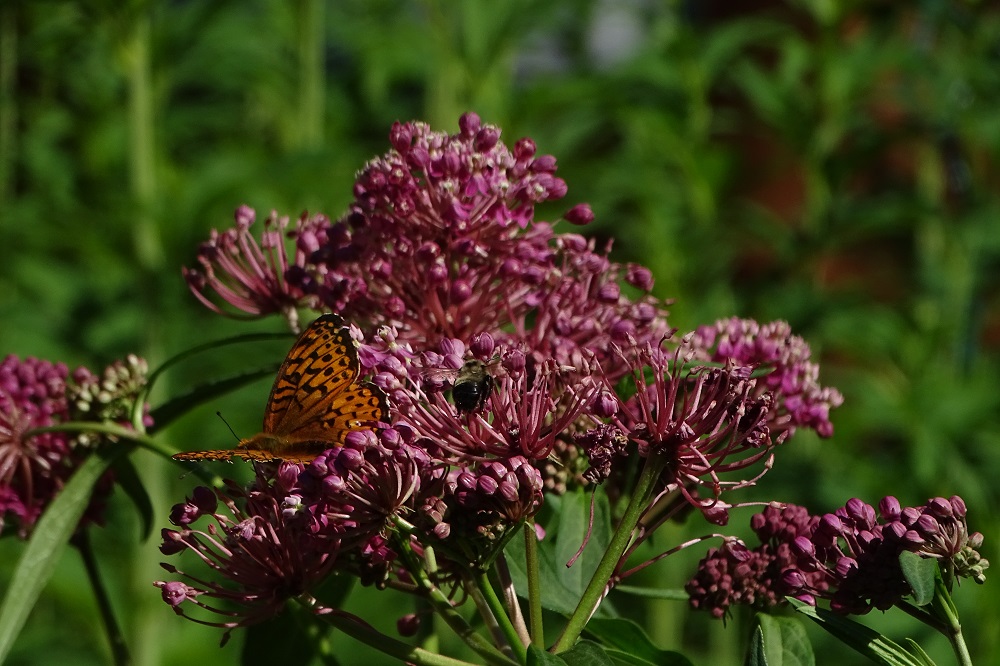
315	401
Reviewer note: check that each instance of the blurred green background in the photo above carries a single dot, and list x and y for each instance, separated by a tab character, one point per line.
834	164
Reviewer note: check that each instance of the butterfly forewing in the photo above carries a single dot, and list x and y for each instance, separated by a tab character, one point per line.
315	401
320	367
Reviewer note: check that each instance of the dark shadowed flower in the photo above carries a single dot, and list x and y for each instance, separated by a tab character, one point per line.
735	575
849	557
36	394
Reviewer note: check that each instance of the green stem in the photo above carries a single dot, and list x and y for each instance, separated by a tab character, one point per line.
119	649
943	608
534	585
419	568
376	639
619	543
120	432
442	605
500	616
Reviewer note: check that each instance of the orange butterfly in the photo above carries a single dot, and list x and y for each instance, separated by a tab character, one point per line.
315	401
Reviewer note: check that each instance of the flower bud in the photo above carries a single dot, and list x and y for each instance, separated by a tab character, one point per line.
579	214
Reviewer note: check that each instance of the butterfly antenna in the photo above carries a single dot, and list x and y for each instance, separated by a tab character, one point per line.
219	414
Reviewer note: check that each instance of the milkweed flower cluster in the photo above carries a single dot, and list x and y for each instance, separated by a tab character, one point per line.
439	262
849	557
35	393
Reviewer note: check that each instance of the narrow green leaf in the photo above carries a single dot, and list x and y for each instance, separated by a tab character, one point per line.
667	593
919	573
586	653
127	477
51	534
868	642
177	407
630	638
918	652
757	652
539	657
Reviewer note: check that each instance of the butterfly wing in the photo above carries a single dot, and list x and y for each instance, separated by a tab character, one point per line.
316	395
315	400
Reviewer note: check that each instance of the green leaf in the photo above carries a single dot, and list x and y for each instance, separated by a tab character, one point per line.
868	642
757	652
919	573
780	641
127	477
177	407
586	653
539	657
51	534
572	531
291	637
562	587
634	645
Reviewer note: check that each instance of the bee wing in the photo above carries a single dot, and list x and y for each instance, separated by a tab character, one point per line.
437	378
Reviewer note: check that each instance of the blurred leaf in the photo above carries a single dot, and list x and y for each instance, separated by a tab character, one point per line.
169	411
48	541
539	657
779	641
586	653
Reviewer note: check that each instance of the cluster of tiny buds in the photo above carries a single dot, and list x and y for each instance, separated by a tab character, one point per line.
849	557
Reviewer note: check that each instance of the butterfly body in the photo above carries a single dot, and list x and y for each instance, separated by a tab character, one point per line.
315	401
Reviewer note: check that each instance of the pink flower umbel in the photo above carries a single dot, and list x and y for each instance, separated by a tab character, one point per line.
35	394
285	534
705	421
258	278
800	400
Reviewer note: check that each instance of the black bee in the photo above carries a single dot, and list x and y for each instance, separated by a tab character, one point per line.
472	387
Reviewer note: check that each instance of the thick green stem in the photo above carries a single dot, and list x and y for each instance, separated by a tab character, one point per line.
534	585
943	608
119	648
500	616
595	591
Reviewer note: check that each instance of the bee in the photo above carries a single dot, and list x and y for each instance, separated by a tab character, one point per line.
471	385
